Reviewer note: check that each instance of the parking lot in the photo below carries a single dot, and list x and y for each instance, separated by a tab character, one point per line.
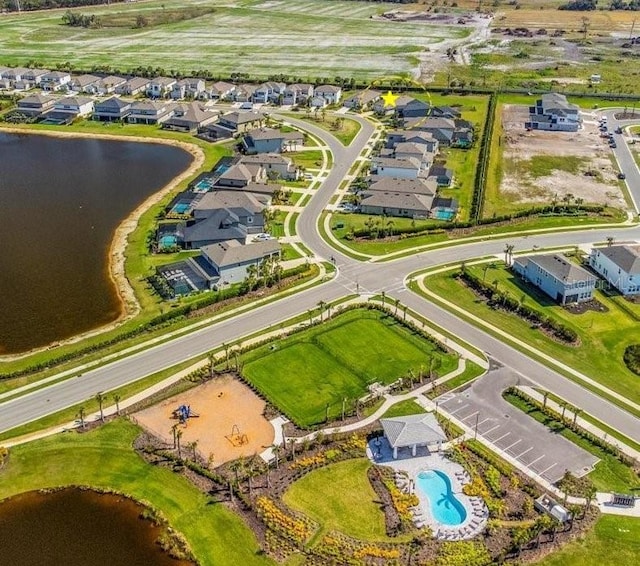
545	453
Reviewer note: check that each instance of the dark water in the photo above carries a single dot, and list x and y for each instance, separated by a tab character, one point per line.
77	528
60	203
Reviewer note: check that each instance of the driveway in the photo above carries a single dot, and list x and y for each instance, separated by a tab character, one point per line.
514	432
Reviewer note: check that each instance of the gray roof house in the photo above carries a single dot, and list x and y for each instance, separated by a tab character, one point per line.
135	85
268	92
76	105
150	112
393	185
274	164
55	80
554	112
231	259
362	100
190	117
111	109
297	93
554	274
160	87
395	137
442	175
221	91
221	225
619	266
330	93
409	168
243	93
248	207
35	104
269	140
442	129
108	85
187	88
241	174
405	150
240	121
408	205
30	79
84	83
412	432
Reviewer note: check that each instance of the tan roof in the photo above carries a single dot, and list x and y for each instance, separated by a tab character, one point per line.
232	252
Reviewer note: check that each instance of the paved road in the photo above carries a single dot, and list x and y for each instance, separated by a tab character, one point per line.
531	443
367	277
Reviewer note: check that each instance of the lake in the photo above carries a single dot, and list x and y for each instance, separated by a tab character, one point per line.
61	200
74	526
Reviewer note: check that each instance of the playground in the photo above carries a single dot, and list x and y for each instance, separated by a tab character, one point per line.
223	416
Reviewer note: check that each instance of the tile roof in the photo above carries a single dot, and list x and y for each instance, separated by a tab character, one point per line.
412	430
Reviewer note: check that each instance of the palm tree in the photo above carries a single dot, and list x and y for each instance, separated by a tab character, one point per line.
310	312
235	467
321	306
589	497
564	408
226	348
292	444
576	412
116	399
100	397
179	434
81	415
174	431
508	253
390	225
610	240
484	271
397	303
193	446
384	297
404	312
275	450
545	396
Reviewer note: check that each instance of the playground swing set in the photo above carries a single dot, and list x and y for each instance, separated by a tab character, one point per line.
183	413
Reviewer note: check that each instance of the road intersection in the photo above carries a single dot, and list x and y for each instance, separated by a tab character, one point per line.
352	276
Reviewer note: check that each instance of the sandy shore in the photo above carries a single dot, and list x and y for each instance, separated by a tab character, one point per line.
116	258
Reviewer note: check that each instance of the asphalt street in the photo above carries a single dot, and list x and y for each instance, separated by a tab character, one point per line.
368	277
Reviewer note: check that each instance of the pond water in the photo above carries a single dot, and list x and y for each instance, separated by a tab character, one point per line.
75	526
61	201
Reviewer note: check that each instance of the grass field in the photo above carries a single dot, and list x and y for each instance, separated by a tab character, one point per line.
301	39
345	131
323	366
614	540
105	459
340	498
404	408
311	159
609	473
603	335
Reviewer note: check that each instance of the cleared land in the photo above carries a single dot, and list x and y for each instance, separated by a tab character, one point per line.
336	361
540	167
301	39
104	458
222	405
603	335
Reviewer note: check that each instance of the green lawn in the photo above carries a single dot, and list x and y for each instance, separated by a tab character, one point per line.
608	475
323	366
339	497
404	408
311	159
603	336
345	131
614	540
104	458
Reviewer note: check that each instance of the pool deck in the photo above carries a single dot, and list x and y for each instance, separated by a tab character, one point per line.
407	469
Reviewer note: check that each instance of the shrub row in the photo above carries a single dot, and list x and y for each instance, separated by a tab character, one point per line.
502	299
477	200
632	358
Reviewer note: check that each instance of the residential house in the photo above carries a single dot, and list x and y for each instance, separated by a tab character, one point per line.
239	122
30	79
111	110
318	102
442	175
188	88
275	165
406	150
55	81
160	87
409	168
269	140
268	92
221	91
84	83
78	106
409	205
297	94
413	108
395	137
109	85
231	260
554	112
330	93
396	185
220	226
11	76
35	104
363	100
243	93
133	86
442	129
619	265
150	112
191	117
555	275
242	174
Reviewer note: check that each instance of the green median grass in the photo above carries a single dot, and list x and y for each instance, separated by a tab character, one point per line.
603	335
325	365
614	540
345	131
104	458
311	159
340	498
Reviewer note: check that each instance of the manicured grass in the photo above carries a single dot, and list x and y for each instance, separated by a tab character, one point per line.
544	165
404	408
609	473
339	497
289	252
345	131
105	459
311	159
614	540
603	335
324	365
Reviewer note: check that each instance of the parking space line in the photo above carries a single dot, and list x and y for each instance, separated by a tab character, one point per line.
504	435
523	453
546	470
484	420
511	445
530	464
460	408
470	416
489	430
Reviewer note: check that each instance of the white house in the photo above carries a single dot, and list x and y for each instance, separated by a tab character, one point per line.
55	80
160	87
77	105
409	168
619	265
330	93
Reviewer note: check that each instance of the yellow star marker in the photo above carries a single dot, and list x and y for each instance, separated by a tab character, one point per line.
390	99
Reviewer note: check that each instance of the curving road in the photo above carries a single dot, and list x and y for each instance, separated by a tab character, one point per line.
368	277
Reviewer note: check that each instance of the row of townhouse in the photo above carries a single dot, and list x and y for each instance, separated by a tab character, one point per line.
566	282
23	79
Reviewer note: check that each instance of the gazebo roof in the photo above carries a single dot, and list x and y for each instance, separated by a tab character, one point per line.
412	430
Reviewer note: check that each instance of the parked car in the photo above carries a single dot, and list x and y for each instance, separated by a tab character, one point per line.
618	130
622	176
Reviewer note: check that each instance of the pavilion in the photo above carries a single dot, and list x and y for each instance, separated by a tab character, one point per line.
413	431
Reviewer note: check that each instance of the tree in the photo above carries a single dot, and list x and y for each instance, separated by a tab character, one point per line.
508	253
116	399
610	241
81	416
235	467
226	347
174	432
520	537
545	396
564	408
576	412
193	446
321	306
384	297
397	304
100	399
179	434
275	450
590	495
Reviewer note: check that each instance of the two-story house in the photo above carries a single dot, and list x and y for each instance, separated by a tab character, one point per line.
269	140
160	87
55	81
150	112
554	112
330	93
619	265
111	110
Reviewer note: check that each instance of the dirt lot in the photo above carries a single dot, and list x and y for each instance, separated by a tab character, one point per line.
220	404
519	146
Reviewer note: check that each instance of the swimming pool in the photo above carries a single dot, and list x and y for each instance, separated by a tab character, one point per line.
168	241
445	507
203	185
181	208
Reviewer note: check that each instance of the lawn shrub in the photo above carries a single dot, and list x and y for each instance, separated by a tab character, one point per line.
632	358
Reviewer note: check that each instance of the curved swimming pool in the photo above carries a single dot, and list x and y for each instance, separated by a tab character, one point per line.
445	507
